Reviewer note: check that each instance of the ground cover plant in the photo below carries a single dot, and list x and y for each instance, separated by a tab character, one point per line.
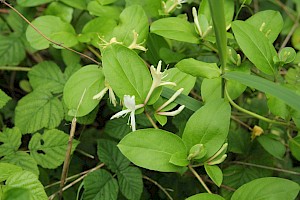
151	99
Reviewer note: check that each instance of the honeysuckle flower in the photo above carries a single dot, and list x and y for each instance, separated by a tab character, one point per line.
175	95
129	103
170	5
172	113
197	24
157	81
134	44
111	94
105	44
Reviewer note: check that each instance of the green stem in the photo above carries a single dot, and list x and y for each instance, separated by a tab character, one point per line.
14	68
252	113
200	179
94	52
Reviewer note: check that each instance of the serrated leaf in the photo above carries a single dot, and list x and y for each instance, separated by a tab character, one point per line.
39	109
10	141
47	76
175	28
49	149
205	196
54	28
130	182
126	72
111	156
100	185
269	188
23	160
7	170
28	180
255	46
11	50
152	149
213	129
16	194
117	128
132	18
4	98
215	173
80	89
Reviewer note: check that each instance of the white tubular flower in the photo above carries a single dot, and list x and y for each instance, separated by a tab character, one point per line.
129	103
172	113
134	44
157	81
175	95
111	94
105	44
171	5
196	21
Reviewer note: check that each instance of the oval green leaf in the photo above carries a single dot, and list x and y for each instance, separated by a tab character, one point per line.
80	89
215	173
175	28
205	196
270	188
126	72
255	46
152	149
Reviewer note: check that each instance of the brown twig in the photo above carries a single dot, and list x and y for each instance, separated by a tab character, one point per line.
288	37
44	36
199	179
159	186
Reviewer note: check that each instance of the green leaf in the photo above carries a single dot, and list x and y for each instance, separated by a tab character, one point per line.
208	126
130	182
27	180
151	7
98	27
100	185
60	10
152	149
218	17
98	10
47	76
289	97
255	46
39	109
269	188
49	149
205	196
75	3
175	28
269	22
198	68
287	55
105	2
4	98
69	58
54	28
7	170
11	50
23	160
179	159
132	18
272	145
80	89
126	72
294	145
215	173
32	3
117	128
10	141
16	194
110	155
189	102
